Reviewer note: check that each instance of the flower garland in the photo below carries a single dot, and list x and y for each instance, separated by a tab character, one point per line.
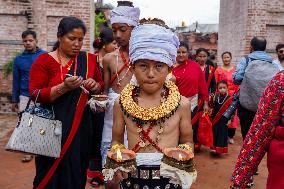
156	114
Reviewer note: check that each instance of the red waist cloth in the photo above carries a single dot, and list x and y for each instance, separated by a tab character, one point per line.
275	160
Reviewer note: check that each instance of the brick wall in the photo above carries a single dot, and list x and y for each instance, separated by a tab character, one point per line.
232	24
240	20
42	16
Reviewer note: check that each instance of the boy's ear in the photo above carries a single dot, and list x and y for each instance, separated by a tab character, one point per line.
170	69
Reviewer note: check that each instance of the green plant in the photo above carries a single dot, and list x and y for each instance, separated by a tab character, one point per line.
99	19
8	67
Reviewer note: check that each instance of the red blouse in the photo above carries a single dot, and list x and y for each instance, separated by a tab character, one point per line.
45	73
268	116
191	80
221	74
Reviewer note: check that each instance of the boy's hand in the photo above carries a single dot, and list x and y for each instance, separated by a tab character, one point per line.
119	176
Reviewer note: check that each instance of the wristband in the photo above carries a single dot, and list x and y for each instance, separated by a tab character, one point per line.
185	147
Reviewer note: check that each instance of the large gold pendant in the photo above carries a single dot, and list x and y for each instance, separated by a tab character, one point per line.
166	108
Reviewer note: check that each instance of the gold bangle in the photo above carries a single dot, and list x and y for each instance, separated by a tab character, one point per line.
115	147
185	147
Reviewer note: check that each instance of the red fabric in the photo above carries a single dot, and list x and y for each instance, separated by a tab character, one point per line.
210	76
45	73
75	125
196	116
95	174
191	80
125	65
205	134
261	137
220	150
275	160
146	137
224	107
221	74
114	77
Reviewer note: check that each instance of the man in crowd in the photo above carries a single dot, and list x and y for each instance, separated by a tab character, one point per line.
260	57
21	71
280	55
116	66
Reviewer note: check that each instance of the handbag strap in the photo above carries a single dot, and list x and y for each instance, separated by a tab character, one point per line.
31	98
35	101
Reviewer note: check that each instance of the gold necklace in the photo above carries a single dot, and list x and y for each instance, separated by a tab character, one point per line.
156	114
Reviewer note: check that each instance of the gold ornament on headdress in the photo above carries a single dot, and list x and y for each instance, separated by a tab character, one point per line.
165	110
156	21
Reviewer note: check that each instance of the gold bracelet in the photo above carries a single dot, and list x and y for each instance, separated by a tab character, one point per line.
185	147
115	147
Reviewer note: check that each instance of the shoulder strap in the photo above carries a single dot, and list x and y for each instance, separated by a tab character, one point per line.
247	59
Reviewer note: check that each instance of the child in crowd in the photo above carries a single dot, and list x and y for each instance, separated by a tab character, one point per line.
221	103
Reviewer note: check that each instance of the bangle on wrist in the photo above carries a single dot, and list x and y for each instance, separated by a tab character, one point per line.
59	90
185	147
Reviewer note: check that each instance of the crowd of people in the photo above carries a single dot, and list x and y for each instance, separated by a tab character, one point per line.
157	98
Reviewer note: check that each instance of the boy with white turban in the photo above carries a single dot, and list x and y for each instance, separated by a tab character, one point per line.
116	66
154	113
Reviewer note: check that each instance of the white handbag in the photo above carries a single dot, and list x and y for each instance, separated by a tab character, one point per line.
37	132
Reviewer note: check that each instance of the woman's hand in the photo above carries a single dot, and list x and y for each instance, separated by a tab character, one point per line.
205	108
91	84
73	82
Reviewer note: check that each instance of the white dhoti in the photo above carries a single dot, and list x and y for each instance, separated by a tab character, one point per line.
193	101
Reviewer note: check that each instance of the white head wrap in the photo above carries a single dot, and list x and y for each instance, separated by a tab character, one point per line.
125	14
153	42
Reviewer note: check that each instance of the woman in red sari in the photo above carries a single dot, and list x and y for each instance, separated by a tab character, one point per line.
49	75
208	69
225	72
104	44
266	134
191	83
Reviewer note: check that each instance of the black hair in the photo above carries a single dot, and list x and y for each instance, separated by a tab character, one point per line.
125	3
226	52
258	43
29	32
202	50
105	37
184	44
222	82
279	46
66	25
